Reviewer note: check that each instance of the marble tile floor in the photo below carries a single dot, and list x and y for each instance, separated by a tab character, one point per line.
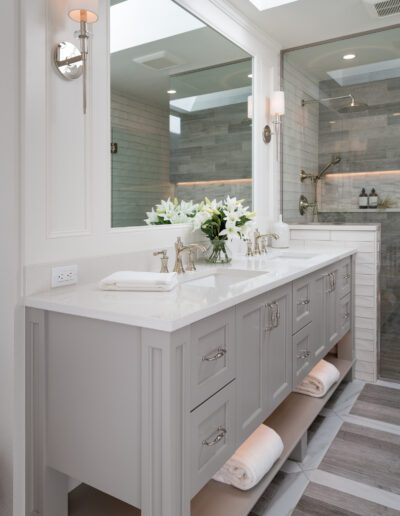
352	466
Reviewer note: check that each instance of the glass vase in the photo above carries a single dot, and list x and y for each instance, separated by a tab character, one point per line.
218	251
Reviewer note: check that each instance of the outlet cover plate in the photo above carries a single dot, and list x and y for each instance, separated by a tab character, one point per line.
63	276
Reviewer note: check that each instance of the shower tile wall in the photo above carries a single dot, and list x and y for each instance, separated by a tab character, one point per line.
366	141
214	144
140	169
300	139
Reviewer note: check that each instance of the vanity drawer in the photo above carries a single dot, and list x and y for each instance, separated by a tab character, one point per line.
302	353
344	315
344	277
213	355
302	301
213	439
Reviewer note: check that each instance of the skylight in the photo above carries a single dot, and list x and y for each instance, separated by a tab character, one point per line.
263	5
211	100
134	23
366	73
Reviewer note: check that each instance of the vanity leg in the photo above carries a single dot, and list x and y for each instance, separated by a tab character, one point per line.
47	489
166	481
300	450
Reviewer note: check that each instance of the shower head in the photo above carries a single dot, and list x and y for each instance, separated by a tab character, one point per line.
354	107
335	161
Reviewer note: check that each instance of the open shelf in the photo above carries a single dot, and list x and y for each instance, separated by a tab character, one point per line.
290	420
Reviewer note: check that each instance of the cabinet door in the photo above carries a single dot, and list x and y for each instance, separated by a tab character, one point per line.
250	331
278	349
302	302
332	306
318	339
344	322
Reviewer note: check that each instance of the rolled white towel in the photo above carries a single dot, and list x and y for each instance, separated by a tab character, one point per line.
252	460
140	281
318	382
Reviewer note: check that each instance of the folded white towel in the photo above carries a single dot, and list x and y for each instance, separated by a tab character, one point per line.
140	281
252	460
318	382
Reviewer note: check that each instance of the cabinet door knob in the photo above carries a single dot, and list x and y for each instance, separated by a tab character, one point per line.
347	276
221	432
346	316
219	354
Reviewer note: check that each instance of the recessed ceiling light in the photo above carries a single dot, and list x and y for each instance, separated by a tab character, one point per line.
250	76
171	92
263	5
332	121
349	57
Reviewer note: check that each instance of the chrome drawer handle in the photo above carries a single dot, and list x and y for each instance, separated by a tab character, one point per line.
304	302
347	276
347	316
219	354
220	435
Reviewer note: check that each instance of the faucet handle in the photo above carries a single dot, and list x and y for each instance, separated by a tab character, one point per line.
164	259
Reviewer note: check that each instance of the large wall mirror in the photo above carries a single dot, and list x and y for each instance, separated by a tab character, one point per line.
181	120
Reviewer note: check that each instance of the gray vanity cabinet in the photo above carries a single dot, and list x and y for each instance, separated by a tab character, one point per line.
344	277
332	305
264	347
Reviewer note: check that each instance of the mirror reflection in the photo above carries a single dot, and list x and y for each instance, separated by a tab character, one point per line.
181	111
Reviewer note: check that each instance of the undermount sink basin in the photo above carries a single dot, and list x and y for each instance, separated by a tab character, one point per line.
293	256
221	278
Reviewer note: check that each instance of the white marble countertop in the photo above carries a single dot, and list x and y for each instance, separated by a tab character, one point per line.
188	303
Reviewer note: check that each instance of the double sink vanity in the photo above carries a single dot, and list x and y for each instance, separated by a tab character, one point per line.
145	395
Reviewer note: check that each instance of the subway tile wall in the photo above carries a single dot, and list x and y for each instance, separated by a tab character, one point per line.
140	169
367	240
300	139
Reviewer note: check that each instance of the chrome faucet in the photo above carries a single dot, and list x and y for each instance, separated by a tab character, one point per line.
262	249
164	259
181	248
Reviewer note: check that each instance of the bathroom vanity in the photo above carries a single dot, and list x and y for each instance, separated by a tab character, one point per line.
145	395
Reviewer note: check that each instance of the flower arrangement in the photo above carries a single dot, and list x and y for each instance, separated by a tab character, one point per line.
172	212
222	221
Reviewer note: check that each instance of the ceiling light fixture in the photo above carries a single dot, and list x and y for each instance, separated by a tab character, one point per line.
349	57
171	92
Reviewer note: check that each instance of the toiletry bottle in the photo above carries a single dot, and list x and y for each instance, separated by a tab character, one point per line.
282	230
373	199
363	200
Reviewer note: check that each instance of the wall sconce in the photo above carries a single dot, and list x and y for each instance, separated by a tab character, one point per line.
277	110
69	60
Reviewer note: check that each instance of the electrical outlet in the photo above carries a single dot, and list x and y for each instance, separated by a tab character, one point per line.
62	276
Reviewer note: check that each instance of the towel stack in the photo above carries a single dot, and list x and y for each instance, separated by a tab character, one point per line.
252	460
140	281
318	382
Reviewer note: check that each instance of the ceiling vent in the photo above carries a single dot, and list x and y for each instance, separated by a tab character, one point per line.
383	9
159	61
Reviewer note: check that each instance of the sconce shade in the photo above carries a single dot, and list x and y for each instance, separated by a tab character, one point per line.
277	106
83	10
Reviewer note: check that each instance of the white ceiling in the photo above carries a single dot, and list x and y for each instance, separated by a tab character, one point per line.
377	47
310	21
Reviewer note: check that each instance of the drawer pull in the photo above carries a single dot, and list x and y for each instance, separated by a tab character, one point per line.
347	276
304	302
220	435
219	354
346	316
303	354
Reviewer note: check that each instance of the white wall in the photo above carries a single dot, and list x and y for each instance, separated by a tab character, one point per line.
67	174
11	323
